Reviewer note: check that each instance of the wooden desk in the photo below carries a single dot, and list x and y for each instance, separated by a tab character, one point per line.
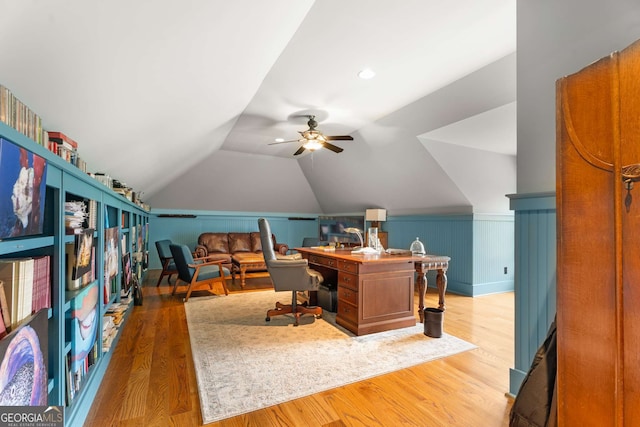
375	292
353	274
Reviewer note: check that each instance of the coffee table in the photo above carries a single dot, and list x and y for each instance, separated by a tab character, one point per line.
248	265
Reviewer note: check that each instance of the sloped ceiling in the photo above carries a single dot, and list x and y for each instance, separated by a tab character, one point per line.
181	99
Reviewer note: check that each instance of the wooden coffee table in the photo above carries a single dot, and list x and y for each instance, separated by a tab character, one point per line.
248	265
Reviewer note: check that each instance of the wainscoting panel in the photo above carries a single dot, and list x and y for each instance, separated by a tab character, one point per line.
535	281
480	247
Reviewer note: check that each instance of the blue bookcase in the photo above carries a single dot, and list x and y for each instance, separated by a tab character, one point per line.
65	182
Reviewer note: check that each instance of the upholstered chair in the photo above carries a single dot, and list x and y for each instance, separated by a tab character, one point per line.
166	259
197	272
288	274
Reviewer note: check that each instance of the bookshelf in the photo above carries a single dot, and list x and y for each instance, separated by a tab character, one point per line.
65	182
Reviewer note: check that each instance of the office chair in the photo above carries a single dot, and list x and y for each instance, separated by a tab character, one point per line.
166	259
309	241
288	274
196	272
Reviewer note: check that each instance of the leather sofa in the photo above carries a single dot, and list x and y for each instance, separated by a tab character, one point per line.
221	246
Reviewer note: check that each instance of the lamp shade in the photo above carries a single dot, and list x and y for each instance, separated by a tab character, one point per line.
375	215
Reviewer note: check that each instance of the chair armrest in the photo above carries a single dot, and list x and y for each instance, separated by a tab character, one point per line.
200	251
200	259
288	263
281	248
206	263
291	256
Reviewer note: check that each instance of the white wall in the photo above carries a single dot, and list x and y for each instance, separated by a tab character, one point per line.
232	181
556	38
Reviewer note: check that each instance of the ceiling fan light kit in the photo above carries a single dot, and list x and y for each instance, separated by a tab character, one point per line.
313	139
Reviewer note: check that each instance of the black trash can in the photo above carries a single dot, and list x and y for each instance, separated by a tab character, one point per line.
328	298
433	322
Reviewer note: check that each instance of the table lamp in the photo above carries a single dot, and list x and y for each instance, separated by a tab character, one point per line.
375	216
362	249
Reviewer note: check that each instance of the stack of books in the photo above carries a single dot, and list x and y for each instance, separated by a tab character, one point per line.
25	288
17	115
109	332
75	215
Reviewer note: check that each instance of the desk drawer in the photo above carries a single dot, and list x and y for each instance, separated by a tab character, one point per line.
348	312
348	295
348	280
316	259
350	267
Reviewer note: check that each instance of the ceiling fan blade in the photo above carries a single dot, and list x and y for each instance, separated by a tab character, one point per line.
282	142
339	138
332	147
300	151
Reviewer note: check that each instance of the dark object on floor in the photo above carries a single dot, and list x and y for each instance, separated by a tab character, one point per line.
137	292
433	322
328	298
535	404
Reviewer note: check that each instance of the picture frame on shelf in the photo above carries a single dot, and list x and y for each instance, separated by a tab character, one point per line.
23	366
23	179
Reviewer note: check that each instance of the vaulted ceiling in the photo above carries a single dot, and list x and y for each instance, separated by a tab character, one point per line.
181	99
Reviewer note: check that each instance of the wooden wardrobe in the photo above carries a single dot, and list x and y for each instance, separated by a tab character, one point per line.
598	214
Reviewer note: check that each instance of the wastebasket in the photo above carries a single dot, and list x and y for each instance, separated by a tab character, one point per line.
433	321
328	298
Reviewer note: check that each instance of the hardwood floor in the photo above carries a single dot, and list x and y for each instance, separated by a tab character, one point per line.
151	379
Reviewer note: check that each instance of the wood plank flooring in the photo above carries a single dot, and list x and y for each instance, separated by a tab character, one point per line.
151	378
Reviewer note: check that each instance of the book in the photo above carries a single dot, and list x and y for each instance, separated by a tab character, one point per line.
3	326
41	283
4	306
62	139
17	275
25	288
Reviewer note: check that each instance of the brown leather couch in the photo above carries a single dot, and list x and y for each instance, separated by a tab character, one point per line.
220	246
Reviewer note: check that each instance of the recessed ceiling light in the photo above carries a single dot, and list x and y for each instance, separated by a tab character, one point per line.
366	74
279	139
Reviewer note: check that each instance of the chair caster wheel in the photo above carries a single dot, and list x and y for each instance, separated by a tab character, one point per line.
267	319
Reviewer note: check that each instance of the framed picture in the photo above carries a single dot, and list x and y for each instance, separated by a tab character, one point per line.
84	252
23	370
83	325
111	265
23	180
127	273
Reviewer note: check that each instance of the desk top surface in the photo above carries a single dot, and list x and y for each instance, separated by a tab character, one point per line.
345	254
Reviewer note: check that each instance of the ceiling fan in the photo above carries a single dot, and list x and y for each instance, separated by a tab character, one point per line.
312	139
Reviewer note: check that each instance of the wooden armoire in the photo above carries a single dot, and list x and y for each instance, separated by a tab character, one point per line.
598	214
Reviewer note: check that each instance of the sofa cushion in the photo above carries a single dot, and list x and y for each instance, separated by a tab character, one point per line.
256	244
239	242
215	242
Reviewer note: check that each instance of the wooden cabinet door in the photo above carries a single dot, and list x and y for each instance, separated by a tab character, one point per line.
598	137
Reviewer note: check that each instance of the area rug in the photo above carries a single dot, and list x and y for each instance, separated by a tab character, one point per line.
244	363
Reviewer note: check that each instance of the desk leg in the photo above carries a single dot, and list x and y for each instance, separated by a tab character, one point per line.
441	282
422	290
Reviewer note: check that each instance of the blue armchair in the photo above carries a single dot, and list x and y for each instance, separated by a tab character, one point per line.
166	259
197	272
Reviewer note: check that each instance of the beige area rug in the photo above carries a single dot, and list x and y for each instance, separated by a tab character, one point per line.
244	363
